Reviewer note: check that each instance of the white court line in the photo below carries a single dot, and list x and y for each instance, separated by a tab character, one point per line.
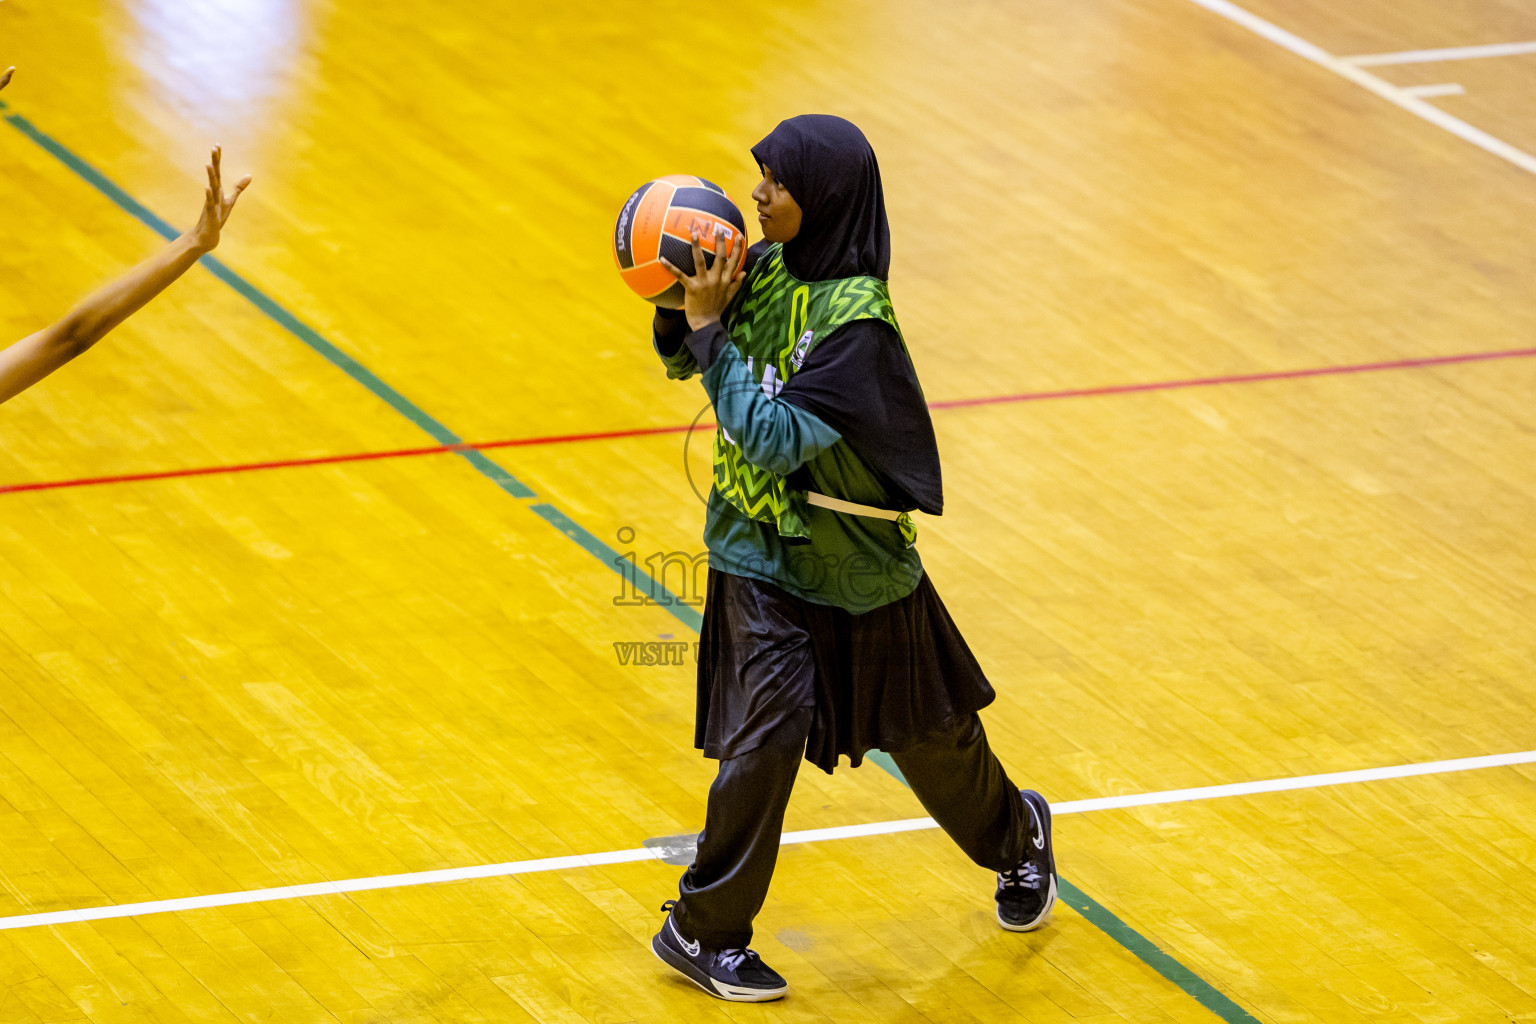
1386	90
1425	92
1434	56
817	835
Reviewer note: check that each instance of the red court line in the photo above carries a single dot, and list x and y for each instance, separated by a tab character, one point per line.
955	403
326	460
1241	378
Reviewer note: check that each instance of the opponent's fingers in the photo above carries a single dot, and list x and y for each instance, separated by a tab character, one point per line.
5	77
227	202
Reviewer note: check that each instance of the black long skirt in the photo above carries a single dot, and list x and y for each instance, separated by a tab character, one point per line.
885	679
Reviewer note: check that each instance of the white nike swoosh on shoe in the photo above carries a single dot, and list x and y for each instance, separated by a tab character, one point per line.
1037	833
691	948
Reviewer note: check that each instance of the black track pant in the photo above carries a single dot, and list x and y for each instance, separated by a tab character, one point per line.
954	774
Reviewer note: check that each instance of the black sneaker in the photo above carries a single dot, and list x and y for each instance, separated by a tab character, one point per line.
1026	892
735	974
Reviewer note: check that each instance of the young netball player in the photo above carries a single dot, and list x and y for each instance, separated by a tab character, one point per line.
36	356
822	634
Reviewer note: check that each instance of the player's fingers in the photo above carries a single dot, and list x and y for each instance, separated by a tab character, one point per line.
670	268
738	253
722	266
734	287
698	252
5	77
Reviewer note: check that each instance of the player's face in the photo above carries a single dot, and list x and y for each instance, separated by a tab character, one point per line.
777	212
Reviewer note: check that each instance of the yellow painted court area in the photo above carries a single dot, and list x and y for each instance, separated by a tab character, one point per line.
245	680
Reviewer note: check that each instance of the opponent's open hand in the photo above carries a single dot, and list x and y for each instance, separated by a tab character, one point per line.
5	77
217	205
708	292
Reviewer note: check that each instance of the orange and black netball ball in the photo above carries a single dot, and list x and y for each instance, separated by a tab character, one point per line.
656	223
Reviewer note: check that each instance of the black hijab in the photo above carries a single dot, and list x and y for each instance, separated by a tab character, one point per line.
859	379
826	165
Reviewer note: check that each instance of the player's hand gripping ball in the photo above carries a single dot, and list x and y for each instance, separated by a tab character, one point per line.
657	223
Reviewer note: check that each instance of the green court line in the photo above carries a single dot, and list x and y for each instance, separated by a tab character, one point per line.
888	763
486	466
1141	947
292	324
621	565
1149	953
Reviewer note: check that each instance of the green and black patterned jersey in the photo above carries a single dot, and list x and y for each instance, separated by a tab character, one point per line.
774	326
768	453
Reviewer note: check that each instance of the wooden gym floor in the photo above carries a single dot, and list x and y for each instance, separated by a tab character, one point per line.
1185	559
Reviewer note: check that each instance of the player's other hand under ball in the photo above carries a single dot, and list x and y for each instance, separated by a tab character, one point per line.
710	290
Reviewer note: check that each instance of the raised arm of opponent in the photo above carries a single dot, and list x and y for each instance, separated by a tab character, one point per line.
37	355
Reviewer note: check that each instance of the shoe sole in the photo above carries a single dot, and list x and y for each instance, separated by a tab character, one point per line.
733	993
1043	809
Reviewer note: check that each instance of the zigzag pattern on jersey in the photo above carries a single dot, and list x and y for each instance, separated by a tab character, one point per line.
859	297
768	284
770	279
756	492
766	325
